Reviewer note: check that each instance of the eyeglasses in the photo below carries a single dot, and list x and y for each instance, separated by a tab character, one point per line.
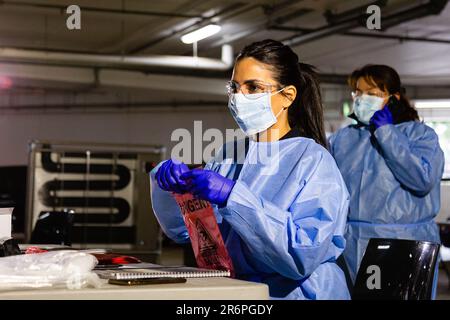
359	93
250	88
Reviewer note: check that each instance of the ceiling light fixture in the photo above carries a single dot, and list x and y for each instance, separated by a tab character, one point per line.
432	104
201	33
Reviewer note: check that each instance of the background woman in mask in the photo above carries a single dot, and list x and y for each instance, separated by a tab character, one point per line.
392	165
282	220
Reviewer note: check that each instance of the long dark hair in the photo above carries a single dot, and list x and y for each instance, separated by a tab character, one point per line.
387	79
305	112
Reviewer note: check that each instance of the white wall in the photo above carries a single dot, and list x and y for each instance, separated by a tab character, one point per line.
152	126
149	126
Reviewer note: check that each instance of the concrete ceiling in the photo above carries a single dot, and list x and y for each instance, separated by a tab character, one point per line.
136	27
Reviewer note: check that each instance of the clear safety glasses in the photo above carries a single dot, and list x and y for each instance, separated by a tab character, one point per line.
251	88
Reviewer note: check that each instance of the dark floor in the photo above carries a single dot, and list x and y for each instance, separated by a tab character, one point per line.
443	290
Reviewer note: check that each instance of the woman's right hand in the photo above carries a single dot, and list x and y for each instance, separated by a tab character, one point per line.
168	176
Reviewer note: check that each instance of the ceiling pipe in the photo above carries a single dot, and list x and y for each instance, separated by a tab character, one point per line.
373	34
400	38
321	32
85	9
117	105
198	19
293	15
171	33
269	11
333	18
227	13
432	7
91	78
100	60
422	10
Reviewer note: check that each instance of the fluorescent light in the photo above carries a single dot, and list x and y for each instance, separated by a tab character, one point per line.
432	104
201	33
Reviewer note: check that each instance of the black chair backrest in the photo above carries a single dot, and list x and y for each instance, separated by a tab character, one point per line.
394	269
53	228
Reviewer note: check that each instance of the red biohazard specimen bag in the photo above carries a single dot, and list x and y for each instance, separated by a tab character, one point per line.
207	243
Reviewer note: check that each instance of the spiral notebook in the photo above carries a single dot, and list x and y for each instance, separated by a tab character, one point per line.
161	272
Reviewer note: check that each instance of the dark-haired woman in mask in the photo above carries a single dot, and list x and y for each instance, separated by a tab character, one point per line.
391	162
282	219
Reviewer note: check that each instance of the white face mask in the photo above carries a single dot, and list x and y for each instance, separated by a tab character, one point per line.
365	106
253	115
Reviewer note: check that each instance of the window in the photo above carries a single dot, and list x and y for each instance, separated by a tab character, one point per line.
436	114
443	131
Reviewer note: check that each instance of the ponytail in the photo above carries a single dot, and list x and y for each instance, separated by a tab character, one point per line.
402	111
306	112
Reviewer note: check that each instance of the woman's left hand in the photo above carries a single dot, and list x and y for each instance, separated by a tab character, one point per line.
382	117
208	185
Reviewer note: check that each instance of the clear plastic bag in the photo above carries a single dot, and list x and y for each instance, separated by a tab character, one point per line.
56	269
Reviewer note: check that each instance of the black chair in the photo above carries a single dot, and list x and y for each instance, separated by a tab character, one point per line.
444	232
9	247
53	227
394	269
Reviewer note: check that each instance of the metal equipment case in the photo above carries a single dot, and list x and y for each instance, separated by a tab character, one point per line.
106	185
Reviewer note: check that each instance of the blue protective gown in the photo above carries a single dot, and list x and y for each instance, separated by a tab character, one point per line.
284	221
393	176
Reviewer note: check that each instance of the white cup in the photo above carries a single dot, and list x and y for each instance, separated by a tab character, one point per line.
5	222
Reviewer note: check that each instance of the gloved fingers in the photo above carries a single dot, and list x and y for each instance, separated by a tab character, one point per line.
190	187
194	187
158	178
198	182
388	113
162	176
202	191
183	168
201	194
169	177
173	185
196	193
388	109
203	187
196	196
192	174
377	114
176	171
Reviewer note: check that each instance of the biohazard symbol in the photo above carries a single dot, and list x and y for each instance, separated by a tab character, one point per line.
207	245
205	240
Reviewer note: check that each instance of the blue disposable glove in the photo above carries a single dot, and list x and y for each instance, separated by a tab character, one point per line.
382	117
208	185
168	176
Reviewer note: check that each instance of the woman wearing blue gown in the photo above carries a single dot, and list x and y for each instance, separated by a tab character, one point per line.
392	164
282	219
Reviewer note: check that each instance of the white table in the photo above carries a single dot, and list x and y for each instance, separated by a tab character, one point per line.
193	289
